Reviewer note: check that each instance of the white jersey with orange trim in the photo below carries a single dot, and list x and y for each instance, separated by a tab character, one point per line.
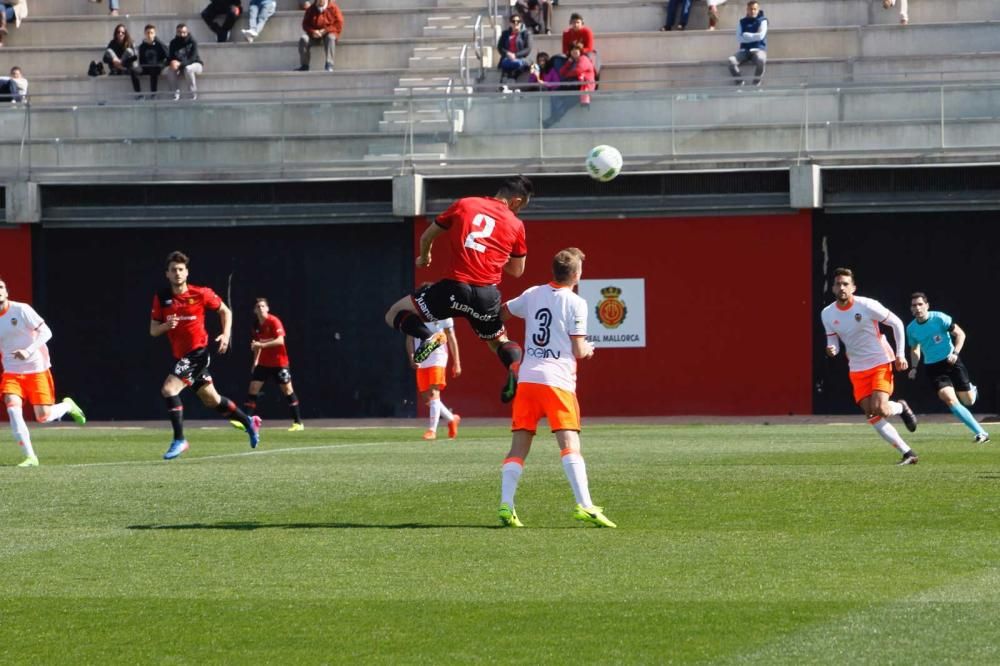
438	357
857	326
19	325
552	315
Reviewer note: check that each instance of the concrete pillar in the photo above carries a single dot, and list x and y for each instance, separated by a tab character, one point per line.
408	198
805	184
23	203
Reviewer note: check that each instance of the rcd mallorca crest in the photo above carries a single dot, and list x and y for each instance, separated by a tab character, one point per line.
611	310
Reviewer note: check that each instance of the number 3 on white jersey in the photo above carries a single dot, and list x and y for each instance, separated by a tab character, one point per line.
487	223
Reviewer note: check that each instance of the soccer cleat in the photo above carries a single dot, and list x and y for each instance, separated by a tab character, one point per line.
430	434
453	426
255	431
909	418
509	389
239	426
909	458
593	515
973	394
428	346
297	427
177	447
75	411
982	438
508	517
30	461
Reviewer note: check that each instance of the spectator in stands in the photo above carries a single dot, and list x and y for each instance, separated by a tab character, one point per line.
121	56
752	36
322	23
12	10
672	7
544	73
13	88
578	32
183	59
713	13
536	14
153	54
229	10
904	16
257	15
577	73
112	6
514	48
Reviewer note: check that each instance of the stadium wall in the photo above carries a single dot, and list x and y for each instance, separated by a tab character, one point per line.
15	246
330	285
729	310
949	255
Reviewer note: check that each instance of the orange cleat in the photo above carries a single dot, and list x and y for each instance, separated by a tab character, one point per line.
453	426
430	434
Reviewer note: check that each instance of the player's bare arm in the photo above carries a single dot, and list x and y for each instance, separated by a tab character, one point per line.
257	345
505	313
158	328
426	241
515	266
915	355
582	348
958	340
456	363
226	319
408	346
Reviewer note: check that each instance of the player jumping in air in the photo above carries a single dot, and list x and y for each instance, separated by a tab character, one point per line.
854	321
936	337
27	374
487	240
555	337
179	312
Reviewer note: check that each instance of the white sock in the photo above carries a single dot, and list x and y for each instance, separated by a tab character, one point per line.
446	413
895	409
435	414
576	472
510	474
20	429
889	433
57	411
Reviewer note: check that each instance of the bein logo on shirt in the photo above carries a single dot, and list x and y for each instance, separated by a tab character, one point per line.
538	352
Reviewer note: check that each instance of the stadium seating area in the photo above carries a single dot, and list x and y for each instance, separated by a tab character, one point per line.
843	78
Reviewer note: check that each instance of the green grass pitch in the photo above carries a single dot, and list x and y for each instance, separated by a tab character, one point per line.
736	545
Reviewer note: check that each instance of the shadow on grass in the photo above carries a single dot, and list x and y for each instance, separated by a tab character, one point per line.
249	526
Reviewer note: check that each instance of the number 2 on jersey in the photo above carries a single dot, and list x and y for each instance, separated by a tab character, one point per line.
487	223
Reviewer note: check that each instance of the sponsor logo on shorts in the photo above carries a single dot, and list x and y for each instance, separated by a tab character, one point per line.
468	309
611	311
419	300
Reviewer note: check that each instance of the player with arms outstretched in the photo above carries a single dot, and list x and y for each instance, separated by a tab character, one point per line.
854	321
555	337
27	374
179	312
487	239
935	336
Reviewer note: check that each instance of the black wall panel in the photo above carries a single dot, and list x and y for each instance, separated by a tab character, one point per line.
330	285
951	256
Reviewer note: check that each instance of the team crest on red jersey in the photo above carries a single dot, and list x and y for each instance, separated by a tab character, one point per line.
611	310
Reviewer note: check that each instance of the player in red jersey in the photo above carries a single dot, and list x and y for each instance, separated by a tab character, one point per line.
271	362
487	240
179	312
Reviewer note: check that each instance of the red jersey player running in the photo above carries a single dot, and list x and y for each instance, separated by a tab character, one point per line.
179	311
487	240
270	362
26	374
854	320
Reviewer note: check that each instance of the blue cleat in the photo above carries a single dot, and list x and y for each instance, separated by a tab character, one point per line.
177	447
255	431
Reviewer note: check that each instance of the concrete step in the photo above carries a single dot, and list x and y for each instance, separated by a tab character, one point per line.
194	7
436	57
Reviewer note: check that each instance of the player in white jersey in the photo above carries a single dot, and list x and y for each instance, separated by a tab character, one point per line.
555	337
854	321
26	372
431	376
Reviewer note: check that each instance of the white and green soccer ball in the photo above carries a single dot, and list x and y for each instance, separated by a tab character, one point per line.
604	163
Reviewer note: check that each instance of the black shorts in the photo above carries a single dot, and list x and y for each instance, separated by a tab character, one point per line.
943	375
262	373
192	369
450	298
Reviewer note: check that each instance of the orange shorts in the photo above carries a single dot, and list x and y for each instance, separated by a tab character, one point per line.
866	382
428	377
38	388
533	401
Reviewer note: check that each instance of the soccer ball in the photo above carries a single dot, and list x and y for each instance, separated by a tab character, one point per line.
604	163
